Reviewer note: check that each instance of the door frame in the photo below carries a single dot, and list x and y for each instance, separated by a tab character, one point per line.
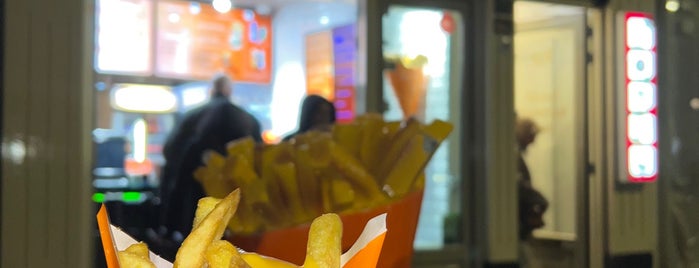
460	254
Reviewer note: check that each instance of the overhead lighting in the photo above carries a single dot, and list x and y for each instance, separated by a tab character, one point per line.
173	18
672	5
222	6
694	103
137	98
324	20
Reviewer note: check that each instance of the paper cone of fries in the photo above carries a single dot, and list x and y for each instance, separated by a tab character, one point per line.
203	247
358	171
396	251
409	83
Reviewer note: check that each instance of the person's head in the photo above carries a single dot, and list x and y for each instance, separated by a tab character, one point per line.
316	112
221	86
526	131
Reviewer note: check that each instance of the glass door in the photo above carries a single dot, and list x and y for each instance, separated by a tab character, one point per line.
550	102
424	52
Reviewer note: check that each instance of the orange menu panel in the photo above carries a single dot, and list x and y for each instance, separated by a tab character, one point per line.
250	47
320	76
194	41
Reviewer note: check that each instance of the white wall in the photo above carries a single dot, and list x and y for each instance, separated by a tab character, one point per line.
290	25
545	91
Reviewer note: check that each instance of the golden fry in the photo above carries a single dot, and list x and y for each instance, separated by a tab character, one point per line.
324	242
256	260
348	137
222	254
131	260
356	173
371	125
399	142
214	160
408	167
204	207
286	175
307	179
244	147
342	194
192	250
139	249
213	182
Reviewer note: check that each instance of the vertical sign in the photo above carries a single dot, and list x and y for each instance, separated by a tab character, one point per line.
640	96
319	65
345	57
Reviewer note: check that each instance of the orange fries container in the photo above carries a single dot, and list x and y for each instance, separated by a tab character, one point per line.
397	251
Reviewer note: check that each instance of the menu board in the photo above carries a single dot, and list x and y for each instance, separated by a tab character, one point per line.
195	41
251	47
123	31
320	79
191	40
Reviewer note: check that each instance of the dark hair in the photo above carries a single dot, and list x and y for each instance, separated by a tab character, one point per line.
218	85
311	105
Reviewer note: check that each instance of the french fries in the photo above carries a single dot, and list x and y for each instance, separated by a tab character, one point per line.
222	254
324	242
211	228
135	256
203	247
361	165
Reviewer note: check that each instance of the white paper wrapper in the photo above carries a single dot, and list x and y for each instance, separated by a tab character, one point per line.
123	241
373	229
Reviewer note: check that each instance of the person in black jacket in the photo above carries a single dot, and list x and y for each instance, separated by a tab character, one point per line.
317	113
532	204
208	127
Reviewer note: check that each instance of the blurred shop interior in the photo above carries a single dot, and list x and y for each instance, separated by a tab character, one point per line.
276	52
154	61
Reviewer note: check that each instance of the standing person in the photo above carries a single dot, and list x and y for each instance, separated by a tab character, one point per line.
317	113
209	127
220	92
532	204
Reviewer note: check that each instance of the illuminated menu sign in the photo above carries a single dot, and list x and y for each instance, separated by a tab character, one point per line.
123	32
640	93
191	41
345	57
195	41
319	65
250	47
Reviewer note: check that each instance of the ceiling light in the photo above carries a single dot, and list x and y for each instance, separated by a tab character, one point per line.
222	6
173	18
143	98
672	5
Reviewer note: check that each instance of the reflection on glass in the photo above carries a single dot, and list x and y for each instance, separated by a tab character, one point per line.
422	44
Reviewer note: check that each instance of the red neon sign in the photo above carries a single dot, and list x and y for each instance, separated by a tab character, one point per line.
640	91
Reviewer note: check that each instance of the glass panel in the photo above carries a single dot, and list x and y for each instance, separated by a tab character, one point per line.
548	73
428	91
